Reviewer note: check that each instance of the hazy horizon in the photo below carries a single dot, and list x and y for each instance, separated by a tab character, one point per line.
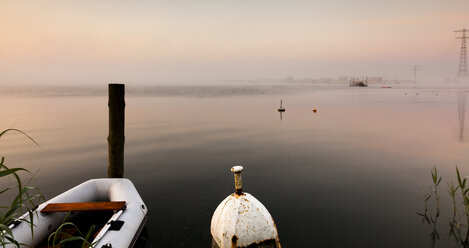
142	42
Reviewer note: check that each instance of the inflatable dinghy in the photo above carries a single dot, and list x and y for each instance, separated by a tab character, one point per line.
118	194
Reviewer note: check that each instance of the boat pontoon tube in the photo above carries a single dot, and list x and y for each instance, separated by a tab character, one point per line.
95	190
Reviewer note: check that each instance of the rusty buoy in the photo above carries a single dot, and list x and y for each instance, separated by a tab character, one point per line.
241	220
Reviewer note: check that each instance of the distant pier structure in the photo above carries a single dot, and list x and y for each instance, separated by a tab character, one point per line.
462	72
358	82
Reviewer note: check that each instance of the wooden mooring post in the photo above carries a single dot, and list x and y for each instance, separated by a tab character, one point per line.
116	136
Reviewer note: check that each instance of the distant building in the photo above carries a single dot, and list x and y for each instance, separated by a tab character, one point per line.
376	80
343	79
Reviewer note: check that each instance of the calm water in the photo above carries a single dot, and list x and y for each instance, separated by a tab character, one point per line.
350	175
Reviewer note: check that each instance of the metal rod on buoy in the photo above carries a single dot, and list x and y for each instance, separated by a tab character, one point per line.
238	179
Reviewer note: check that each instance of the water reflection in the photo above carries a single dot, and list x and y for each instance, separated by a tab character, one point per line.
433	223
457	232
461	113
175	155
281	109
142	238
269	244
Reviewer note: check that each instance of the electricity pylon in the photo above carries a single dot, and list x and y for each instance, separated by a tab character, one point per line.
416	68
462	73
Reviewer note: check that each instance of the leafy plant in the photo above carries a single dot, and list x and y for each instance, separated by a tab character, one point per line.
62	236
26	198
436	181
458	230
452	190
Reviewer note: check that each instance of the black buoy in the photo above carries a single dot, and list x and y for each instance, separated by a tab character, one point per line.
281	109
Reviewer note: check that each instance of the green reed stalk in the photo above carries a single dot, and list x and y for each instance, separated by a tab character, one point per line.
465	197
436	181
60	237
27	197
452	190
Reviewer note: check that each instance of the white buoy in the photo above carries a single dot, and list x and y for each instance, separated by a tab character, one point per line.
241	220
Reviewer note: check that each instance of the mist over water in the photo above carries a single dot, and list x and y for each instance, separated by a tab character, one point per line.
351	174
207	90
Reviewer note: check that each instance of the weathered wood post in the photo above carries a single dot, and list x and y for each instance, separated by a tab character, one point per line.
116	137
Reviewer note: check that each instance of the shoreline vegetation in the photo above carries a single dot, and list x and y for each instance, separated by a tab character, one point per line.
23	200
458	225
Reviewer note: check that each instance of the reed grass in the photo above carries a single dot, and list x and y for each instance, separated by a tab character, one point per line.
436	181
459	195
61	237
26	198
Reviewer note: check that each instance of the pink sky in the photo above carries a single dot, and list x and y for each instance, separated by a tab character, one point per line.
91	42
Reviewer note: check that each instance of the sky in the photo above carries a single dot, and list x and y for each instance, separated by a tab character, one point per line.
151	41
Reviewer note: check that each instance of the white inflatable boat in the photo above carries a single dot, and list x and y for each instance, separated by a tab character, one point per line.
121	230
